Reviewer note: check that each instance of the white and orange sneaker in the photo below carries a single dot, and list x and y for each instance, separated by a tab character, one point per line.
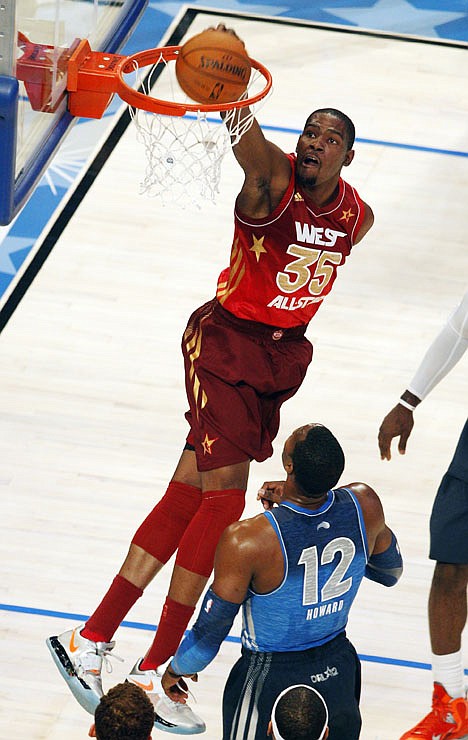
80	661
169	716
448	719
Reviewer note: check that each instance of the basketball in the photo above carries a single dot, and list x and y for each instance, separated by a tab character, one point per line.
213	67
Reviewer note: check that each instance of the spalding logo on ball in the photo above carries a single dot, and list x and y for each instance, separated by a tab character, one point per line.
213	67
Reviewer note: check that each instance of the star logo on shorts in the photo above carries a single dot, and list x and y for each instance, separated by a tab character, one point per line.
347	215
207	444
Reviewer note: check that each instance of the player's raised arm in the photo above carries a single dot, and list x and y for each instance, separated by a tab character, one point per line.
267	172
266	167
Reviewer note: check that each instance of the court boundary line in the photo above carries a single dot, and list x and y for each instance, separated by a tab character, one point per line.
144	626
281	20
362	140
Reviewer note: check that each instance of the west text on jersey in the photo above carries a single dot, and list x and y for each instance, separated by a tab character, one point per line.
310	234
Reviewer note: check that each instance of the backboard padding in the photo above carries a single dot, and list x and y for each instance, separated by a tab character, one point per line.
34	116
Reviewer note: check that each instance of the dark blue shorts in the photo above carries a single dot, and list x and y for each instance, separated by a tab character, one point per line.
449	517
258	678
449	522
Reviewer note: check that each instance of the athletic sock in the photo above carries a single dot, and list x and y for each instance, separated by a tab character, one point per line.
115	605
448	671
172	625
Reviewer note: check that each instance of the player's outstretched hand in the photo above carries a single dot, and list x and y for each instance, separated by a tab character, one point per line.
175	686
271	493
225	29
398	423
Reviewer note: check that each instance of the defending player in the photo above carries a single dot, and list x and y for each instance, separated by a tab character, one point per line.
296	570
447	606
245	353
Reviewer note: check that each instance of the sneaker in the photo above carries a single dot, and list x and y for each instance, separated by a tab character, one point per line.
169	716
448	719
79	661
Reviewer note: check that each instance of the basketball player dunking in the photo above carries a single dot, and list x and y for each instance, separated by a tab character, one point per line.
245	352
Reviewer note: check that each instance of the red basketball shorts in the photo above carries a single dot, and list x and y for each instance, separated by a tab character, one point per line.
238	374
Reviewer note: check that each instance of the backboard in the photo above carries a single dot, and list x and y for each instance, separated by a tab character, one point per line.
37	38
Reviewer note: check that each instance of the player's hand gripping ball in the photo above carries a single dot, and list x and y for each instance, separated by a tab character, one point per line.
213	67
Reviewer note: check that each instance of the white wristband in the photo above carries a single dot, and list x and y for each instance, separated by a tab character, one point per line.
406	405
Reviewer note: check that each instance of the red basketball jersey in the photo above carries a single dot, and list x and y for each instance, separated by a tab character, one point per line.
284	265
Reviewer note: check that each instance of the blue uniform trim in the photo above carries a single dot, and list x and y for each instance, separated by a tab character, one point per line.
202	643
274	524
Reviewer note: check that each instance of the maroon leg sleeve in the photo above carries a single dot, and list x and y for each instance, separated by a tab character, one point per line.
164	527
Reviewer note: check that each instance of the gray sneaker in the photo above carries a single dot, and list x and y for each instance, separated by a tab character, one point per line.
80	661
169	716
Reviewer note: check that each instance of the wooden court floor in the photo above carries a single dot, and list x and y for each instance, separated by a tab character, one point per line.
91	384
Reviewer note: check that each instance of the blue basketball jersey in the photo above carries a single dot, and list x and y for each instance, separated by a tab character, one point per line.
325	554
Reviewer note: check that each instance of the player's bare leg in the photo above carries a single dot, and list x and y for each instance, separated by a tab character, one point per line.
187	471
222	502
186	586
231	476
79	653
139	567
447	618
447	607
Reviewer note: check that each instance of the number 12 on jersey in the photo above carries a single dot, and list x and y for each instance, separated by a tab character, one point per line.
336	584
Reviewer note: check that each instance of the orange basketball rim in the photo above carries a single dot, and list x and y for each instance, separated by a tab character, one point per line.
94	77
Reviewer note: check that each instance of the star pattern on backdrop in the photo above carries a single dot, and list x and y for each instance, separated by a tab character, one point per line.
8	248
396	16
172	8
71	157
62	172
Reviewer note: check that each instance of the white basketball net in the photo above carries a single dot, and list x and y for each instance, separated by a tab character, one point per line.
184	154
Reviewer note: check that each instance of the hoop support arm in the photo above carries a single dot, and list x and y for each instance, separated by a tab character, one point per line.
92	80
43	69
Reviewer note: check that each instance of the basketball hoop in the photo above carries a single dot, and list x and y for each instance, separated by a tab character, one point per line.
184	142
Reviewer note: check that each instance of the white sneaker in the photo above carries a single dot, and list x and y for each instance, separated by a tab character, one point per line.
80	661
169	716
